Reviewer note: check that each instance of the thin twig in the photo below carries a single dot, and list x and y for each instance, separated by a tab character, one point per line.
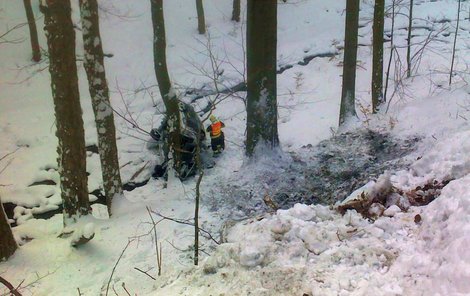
209	235
115	265
145	272
124	287
159	263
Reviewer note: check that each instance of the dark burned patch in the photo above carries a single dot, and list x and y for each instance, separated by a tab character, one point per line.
348	161
324	174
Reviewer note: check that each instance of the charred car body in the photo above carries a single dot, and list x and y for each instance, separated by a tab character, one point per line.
192	135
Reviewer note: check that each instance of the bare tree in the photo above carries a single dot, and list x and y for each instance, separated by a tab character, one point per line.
408	45
236	11
261	36
201	22
167	92
98	87
392	48
378	54
348	93
68	113
7	241
455	43
33	32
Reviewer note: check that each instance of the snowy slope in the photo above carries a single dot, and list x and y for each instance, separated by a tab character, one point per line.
305	249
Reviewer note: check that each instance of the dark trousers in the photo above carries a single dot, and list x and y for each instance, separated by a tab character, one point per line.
218	143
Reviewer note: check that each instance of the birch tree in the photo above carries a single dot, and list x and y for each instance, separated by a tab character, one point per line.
261	99
68	113
348	93
99	92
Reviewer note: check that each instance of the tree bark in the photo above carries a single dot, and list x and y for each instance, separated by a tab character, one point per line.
99	92
7	242
408	41
33	32
261	71
68	113
378	55
348	95
236	11
164	84
201	22
455	43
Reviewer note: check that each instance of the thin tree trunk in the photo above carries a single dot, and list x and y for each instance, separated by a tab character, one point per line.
378	55
408	46
68	113
33	32
201	22
455	43
261	70
99	92
392	45
161	72
7	242
196	204
236	11
348	96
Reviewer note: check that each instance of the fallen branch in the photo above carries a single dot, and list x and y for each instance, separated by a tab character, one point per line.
13	290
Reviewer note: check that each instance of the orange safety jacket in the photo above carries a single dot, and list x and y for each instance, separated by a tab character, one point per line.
215	129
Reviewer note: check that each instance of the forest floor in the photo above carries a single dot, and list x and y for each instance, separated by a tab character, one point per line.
274	226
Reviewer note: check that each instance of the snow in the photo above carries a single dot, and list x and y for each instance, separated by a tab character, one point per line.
300	250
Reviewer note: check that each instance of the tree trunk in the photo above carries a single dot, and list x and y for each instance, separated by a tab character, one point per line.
236	11
201	22
32	31
455	43
408	41
261	71
348	95
164	84
7	242
99	92
378	55
69	123
392	47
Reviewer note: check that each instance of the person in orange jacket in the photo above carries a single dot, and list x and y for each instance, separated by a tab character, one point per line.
217	135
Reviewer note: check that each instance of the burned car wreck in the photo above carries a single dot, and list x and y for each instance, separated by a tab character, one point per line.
192	135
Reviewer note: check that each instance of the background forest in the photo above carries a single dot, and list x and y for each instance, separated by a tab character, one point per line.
346	162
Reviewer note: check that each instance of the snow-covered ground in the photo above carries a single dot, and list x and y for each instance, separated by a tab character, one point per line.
304	250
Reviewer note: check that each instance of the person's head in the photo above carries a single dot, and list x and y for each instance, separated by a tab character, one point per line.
212	118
